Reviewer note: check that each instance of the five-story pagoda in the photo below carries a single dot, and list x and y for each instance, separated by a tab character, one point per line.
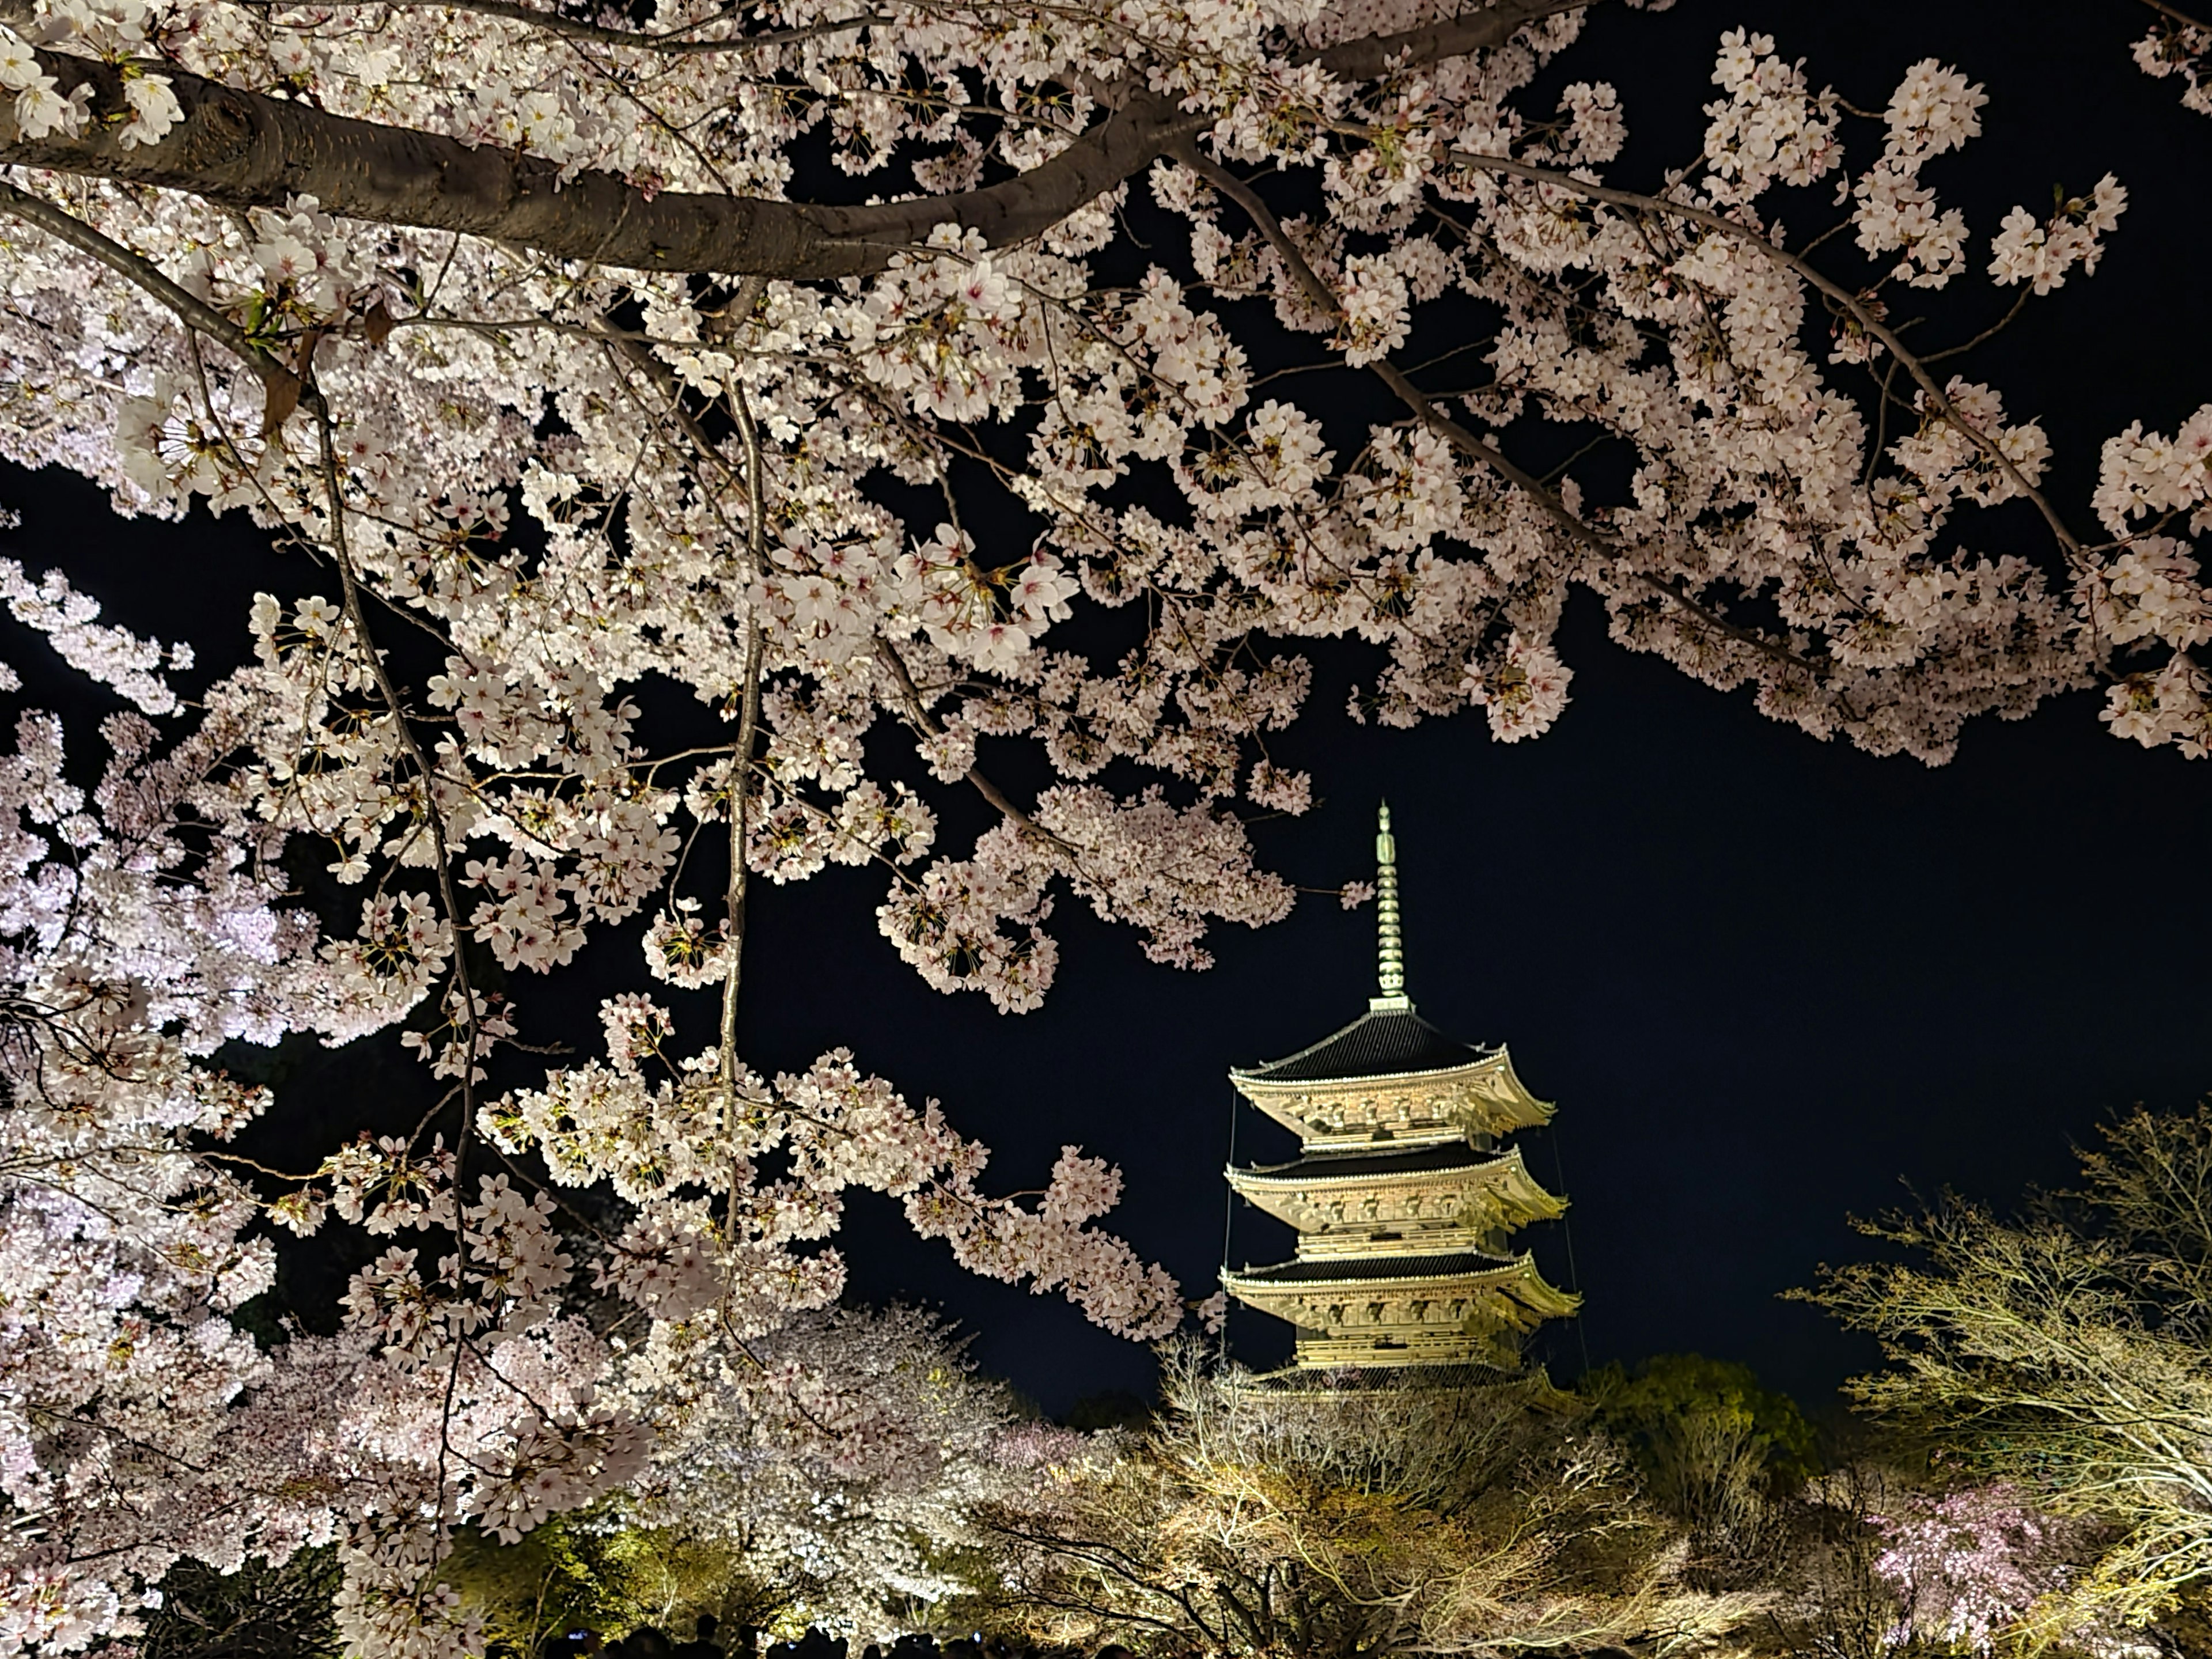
1404	1194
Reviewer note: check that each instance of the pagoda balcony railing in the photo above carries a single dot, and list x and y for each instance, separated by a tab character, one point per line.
1411	1242
1399	1137
1434	1348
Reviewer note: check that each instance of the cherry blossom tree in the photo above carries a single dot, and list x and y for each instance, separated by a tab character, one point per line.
1968	1566
2059	1359
846	1471
144	1424
831	1489
789	368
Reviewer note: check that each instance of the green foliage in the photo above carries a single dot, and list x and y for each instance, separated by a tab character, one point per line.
586	1570
1716	1452
1674	1398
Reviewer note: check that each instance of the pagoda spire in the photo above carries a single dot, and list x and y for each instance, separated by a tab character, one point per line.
1389	948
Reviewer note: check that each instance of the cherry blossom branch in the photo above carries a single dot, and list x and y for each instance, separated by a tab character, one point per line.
191	311
741	756
283	387
910	694
245	149
673	42
248	149
426	775
1320	295
1860	312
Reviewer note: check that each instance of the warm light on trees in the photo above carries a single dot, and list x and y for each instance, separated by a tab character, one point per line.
790	374
1250	1520
1716	1453
849	1489
2063	1351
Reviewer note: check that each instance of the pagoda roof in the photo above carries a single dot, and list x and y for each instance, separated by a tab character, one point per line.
1381	1042
1409	1266
1445	1156
1516	1275
1354	1379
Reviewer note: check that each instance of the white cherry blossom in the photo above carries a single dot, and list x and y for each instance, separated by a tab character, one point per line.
595	433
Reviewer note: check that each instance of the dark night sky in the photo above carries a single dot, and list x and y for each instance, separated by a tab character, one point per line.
1765	978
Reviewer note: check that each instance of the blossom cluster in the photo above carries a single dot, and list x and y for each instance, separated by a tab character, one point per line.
1968	1566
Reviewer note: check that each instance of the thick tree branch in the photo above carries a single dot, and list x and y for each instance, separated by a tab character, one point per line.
675	42
2176	15
246	149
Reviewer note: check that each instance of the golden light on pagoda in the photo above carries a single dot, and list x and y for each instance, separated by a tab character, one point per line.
1403	1195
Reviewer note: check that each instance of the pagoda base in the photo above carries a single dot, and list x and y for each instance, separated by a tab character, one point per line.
1353	1382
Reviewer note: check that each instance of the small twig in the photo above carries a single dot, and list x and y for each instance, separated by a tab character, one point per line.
1994	329
888	655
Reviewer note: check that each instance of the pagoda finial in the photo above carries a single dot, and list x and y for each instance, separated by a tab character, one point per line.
1389	949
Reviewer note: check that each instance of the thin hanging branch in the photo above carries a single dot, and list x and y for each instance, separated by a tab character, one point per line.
741	756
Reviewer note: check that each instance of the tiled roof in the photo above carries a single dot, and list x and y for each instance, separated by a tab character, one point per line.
1386	1379
1325	1270
1379	1043
1453	1154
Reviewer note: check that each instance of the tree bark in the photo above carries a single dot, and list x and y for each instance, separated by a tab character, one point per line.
246	149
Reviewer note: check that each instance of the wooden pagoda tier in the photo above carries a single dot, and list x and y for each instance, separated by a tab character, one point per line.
1465	1309
1404	1195
1392	1077
1437	1199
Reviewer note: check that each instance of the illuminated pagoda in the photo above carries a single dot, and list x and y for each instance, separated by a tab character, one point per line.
1404	1194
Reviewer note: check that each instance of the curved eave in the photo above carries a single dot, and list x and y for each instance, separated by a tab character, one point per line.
1518	1278
1539	1111
1504	1168
1518	1192
1251	1080
1491	1078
